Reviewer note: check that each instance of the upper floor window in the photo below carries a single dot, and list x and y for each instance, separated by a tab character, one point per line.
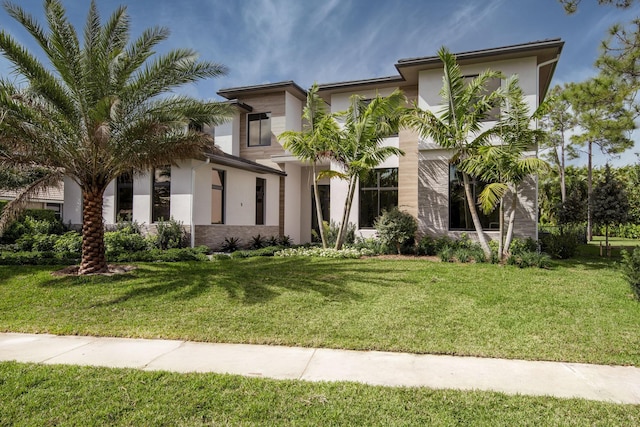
378	192
259	129
492	85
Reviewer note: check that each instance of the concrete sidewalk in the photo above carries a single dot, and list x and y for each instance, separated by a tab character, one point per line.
619	384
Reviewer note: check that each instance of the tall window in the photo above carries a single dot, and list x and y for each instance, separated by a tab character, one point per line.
260	202
492	85
124	197
459	214
259	129
324	193
217	197
161	194
378	192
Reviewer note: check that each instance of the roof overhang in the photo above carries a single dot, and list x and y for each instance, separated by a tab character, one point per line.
288	86
221	158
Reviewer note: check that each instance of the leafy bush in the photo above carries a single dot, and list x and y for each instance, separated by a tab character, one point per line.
266	251
284	241
33	221
273	241
44	242
70	241
123	241
559	246
169	235
519	246
371	244
37	258
631	269
331	233
529	259
324	253
230	244
162	255
395	228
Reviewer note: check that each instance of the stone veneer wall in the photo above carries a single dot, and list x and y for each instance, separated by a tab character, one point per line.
214	235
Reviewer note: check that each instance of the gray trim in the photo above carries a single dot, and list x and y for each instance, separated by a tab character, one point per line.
374	81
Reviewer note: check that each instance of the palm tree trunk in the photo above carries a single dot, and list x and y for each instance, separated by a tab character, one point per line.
512	221
474	216
316	196
93	251
501	227
345	214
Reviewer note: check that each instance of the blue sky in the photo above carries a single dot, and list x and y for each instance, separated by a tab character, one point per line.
263	41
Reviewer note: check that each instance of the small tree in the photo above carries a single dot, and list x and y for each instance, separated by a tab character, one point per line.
396	228
610	204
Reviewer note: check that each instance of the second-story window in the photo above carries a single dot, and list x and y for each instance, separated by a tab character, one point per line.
259	129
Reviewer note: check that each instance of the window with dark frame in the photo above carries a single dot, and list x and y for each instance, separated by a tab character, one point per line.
258	129
217	196
124	197
161	209
260	200
378	192
459	213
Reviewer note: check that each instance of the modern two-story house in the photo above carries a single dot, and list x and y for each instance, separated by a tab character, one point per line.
250	185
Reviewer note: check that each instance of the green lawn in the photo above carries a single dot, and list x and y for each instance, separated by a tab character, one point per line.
69	395
579	311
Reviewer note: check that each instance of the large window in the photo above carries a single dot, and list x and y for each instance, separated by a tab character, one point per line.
459	214
260	200
378	192
124	197
217	197
492	85
161	209
259	129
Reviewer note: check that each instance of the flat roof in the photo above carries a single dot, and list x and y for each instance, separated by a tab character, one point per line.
222	158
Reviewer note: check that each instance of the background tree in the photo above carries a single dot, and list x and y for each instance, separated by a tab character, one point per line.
571	6
599	107
313	143
457	126
610	205
101	109
358	148
557	121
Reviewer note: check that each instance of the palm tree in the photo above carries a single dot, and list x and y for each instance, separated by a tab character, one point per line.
457	126
504	165
313	143
359	149
102	108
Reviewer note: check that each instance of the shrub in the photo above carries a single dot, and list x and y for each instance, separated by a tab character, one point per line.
371	244
273	241
258	242
559	246
331	233
123	241
266	251
170	235
37	258
33	221
70	242
44	242
324	253
519	246
529	259
284	241
166	255
631	269
230	244
396	228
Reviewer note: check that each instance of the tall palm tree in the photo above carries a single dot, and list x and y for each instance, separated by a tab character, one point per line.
504	164
359	149
313	143
102	108
457	126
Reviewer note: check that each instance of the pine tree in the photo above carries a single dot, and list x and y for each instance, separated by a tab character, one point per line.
610	204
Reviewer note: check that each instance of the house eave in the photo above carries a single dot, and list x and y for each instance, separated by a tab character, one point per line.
286	86
225	159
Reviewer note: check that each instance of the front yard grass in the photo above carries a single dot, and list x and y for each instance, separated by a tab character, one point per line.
580	311
72	395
